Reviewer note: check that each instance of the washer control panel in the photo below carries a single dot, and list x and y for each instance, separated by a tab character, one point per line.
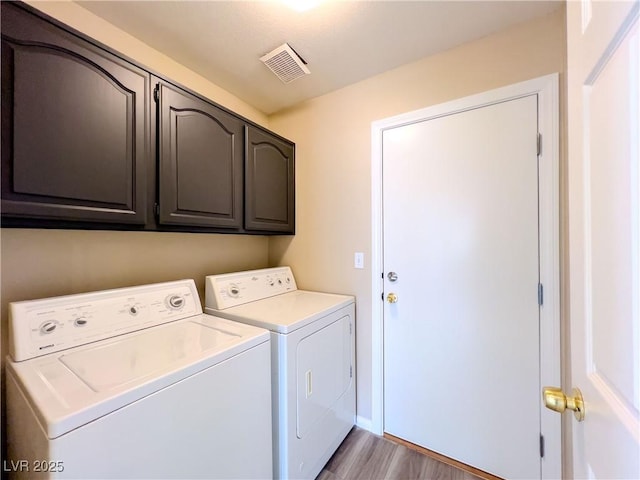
38	327
232	289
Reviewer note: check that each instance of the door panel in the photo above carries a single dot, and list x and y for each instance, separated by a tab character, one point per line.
613	189
323	373
269	182
461	354
604	222
105	125
75	127
201	149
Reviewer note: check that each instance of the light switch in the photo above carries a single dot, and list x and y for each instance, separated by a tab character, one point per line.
358	260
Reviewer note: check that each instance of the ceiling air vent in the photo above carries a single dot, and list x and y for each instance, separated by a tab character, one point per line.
285	63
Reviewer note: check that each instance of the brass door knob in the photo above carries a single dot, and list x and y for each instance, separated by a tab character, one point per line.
556	400
392	298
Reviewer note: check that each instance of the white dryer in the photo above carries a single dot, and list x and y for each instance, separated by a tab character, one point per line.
136	383
313	358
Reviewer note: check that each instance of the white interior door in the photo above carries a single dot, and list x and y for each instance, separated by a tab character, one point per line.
462	341
604	206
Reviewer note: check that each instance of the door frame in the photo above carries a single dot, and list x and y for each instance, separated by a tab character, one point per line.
547	89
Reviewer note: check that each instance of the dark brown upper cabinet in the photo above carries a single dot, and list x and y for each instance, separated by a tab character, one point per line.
87	142
75	126
269	182
200	162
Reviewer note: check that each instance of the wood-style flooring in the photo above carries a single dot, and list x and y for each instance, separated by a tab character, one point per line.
365	456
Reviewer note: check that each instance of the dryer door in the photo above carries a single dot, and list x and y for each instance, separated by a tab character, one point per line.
324	372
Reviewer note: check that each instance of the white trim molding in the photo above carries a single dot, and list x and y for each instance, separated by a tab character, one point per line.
547	90
363	422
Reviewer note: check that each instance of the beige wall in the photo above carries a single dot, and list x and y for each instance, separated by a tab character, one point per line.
333	156
44	263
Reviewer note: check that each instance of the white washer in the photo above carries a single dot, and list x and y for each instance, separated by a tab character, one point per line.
136	383
313	348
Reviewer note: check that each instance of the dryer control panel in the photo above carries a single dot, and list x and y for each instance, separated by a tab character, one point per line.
38	327
232	289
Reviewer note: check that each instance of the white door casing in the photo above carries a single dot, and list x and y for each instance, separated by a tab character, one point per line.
603	49
546	92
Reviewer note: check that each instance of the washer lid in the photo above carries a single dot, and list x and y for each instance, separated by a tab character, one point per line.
287	312
70	389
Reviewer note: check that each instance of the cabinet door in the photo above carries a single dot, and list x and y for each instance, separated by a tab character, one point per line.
269	183
200	162
74	126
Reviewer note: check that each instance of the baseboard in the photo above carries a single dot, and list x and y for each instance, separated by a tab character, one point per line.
364	423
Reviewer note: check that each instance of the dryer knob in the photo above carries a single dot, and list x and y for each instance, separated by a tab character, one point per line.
48	327
80	322
176	302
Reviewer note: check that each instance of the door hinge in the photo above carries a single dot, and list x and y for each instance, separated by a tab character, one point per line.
156	209
539	144
540	294
156	93
541	446
350	329
382	296
350	371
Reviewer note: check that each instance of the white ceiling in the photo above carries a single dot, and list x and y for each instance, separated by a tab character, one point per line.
343	42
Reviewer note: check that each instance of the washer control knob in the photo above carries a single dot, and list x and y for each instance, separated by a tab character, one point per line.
48	327
80	322
175	301
233	290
